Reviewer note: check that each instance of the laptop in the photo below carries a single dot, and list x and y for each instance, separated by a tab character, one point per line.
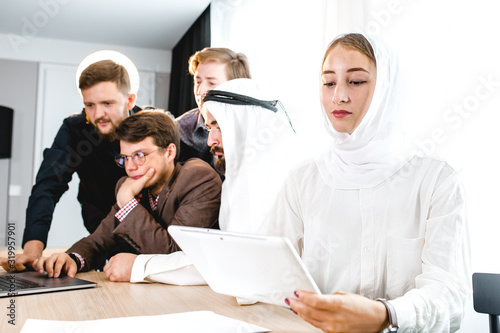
24	283
253	267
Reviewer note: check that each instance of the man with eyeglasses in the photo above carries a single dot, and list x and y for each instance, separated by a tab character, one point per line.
158	192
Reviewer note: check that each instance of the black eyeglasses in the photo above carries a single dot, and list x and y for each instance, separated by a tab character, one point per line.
138	158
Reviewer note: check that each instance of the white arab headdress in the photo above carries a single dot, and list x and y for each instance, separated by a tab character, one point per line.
373	152
259	144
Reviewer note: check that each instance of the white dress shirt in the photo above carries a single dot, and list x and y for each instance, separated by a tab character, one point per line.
405	239
174	268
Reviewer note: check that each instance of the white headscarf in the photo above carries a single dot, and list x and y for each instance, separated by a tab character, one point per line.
260	147
373	152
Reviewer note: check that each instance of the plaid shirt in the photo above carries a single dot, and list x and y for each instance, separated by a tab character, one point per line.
127	208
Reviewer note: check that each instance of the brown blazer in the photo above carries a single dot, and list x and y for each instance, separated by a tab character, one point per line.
190	197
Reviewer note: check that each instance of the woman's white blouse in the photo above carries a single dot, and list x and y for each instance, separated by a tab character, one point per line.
405	239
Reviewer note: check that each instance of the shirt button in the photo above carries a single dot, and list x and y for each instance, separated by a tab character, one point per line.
367	250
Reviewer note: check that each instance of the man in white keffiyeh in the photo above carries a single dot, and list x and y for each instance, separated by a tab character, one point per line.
256	142
256	145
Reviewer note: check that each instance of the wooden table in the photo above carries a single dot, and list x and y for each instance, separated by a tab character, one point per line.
122	299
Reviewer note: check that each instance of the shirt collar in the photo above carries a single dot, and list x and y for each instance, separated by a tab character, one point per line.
153	202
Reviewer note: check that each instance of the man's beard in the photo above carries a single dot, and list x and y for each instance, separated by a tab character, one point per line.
220	162
110	136
160	183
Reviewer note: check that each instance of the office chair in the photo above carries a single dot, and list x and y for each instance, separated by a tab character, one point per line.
486	297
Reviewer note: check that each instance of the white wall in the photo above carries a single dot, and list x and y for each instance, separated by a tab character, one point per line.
53	51
18	85
48	50
450	53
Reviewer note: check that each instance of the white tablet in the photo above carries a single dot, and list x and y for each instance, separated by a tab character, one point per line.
254	267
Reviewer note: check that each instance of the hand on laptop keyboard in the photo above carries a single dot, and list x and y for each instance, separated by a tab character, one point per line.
56	264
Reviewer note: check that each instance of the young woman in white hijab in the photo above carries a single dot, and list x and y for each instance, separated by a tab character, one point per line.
369	224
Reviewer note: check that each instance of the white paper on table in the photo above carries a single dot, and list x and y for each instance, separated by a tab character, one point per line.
186	322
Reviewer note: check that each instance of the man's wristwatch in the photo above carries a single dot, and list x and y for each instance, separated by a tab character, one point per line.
391	313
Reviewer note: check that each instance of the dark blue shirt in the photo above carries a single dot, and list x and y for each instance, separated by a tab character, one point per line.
194	136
